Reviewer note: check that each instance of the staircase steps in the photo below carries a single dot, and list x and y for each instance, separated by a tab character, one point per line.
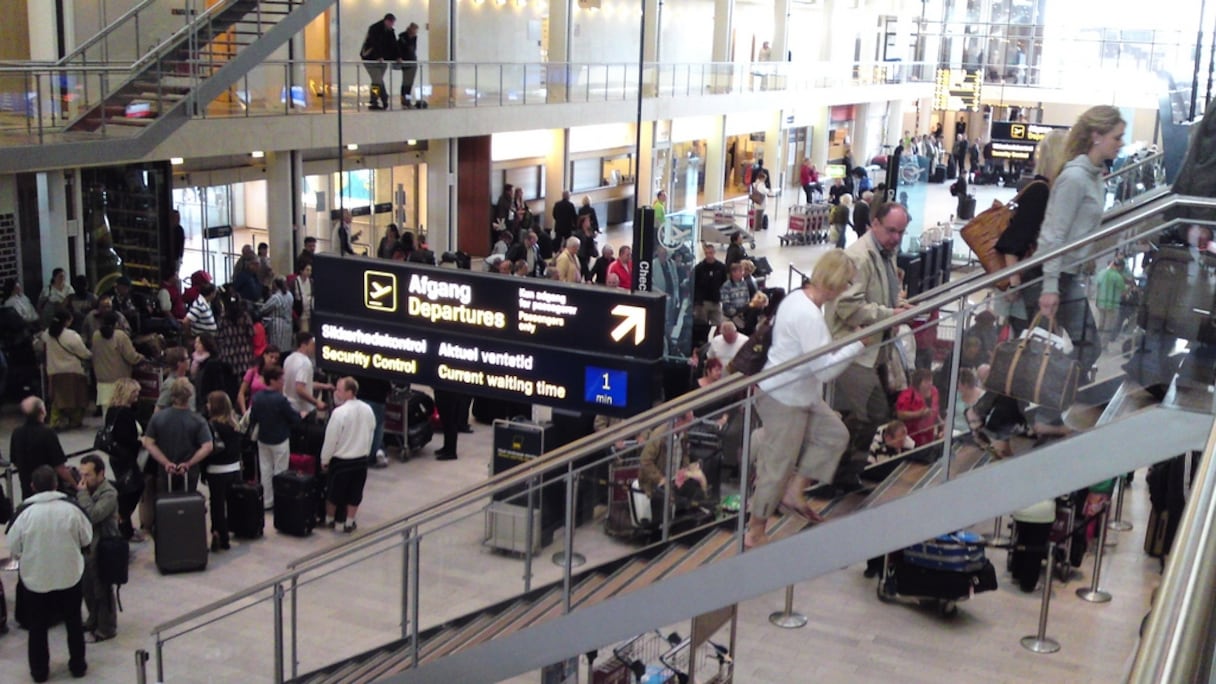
658	567
449	639
902	482
702	553
504	618
539	608
617	581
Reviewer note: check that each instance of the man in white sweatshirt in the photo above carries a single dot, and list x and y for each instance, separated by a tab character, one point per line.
348	440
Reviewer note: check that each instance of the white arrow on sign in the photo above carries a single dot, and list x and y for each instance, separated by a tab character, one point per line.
635	320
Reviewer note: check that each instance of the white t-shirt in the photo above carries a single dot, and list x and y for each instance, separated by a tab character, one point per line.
800	329
720	349
297	368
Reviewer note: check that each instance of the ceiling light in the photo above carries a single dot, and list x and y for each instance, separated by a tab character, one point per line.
176	161
352	146
411	141
257	154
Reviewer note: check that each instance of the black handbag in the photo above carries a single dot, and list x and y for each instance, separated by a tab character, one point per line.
113	560
751	357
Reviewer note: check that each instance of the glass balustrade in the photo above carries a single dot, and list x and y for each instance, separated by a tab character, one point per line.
681	467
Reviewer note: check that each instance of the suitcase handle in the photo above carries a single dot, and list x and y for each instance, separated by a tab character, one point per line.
185	482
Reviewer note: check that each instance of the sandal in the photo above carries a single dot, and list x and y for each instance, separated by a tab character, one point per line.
802	510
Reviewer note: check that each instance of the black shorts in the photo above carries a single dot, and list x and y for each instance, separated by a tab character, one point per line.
346	479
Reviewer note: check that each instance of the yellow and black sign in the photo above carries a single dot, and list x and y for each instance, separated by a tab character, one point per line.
380	291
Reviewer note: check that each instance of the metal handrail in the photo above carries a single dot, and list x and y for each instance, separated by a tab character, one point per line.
31	68
1177	642
154	52
725	389
1151	159
110	28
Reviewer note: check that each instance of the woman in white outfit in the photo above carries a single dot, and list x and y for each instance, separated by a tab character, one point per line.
803	437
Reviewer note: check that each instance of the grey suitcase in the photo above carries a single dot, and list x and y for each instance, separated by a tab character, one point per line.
181	530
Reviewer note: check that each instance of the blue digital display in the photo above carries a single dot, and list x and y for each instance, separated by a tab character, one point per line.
606	387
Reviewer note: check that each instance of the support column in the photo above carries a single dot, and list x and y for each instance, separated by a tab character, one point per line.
53	222
715	162
820	125
555	172
440	219
441	26
651	18
781	30
723	10
645	164
558	50
42	34
774	152
280	213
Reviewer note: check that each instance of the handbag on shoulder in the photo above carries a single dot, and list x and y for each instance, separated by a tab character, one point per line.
1034	370
982	232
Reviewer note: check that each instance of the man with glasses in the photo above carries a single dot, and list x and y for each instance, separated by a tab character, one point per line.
874	296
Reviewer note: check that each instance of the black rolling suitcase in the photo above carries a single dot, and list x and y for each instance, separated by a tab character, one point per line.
295	503
966	207
246	510
938	175
181	530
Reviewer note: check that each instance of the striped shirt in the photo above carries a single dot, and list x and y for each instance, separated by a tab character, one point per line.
201	317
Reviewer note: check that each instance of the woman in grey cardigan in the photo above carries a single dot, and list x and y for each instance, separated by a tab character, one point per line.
1074	210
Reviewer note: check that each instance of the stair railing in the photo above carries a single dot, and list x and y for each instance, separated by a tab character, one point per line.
405	535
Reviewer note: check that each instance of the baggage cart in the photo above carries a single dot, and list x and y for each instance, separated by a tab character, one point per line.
722	221
906	577
808	225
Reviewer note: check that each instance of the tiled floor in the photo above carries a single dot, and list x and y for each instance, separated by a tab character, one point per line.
851	637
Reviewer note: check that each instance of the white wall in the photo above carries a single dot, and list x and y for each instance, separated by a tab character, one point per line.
491	32
609	34
685	31
358	16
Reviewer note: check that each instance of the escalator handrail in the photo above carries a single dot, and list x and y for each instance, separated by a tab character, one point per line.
724	390
1177	643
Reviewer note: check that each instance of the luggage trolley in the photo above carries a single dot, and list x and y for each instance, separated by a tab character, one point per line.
937	573
808	225
720	222
710	658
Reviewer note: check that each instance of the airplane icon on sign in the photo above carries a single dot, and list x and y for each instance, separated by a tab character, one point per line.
380	291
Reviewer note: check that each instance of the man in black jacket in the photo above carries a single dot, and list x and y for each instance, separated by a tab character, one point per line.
707	279
564	216
379	47
35	444
407	53
861	213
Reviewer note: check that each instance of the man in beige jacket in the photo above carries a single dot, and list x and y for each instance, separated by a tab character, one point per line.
874	296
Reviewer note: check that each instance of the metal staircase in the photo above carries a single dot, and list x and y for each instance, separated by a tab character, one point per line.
157	92
914	502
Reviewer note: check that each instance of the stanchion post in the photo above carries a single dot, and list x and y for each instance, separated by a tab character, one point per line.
997	538
1119	524
1040	642
788	619
1092	593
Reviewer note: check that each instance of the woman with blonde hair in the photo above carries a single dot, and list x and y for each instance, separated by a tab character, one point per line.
123	426
1020	239
804	438
223	466
1074	211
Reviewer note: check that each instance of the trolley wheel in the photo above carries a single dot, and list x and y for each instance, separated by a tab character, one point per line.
948	608
753	244
884	595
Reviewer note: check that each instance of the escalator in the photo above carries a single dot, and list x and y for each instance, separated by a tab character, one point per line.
942	488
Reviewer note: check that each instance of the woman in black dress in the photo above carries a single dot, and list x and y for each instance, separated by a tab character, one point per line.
125	431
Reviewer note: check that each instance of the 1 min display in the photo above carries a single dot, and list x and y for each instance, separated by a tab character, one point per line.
606	387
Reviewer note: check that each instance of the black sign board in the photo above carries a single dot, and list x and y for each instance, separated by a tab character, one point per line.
213	232
483	365
1017	139
644	235
489	306
383	207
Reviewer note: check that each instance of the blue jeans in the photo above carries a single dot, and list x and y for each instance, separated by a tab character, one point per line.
378	438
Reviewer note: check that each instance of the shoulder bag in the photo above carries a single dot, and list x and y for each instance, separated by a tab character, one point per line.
982	232
1034	370
751	357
